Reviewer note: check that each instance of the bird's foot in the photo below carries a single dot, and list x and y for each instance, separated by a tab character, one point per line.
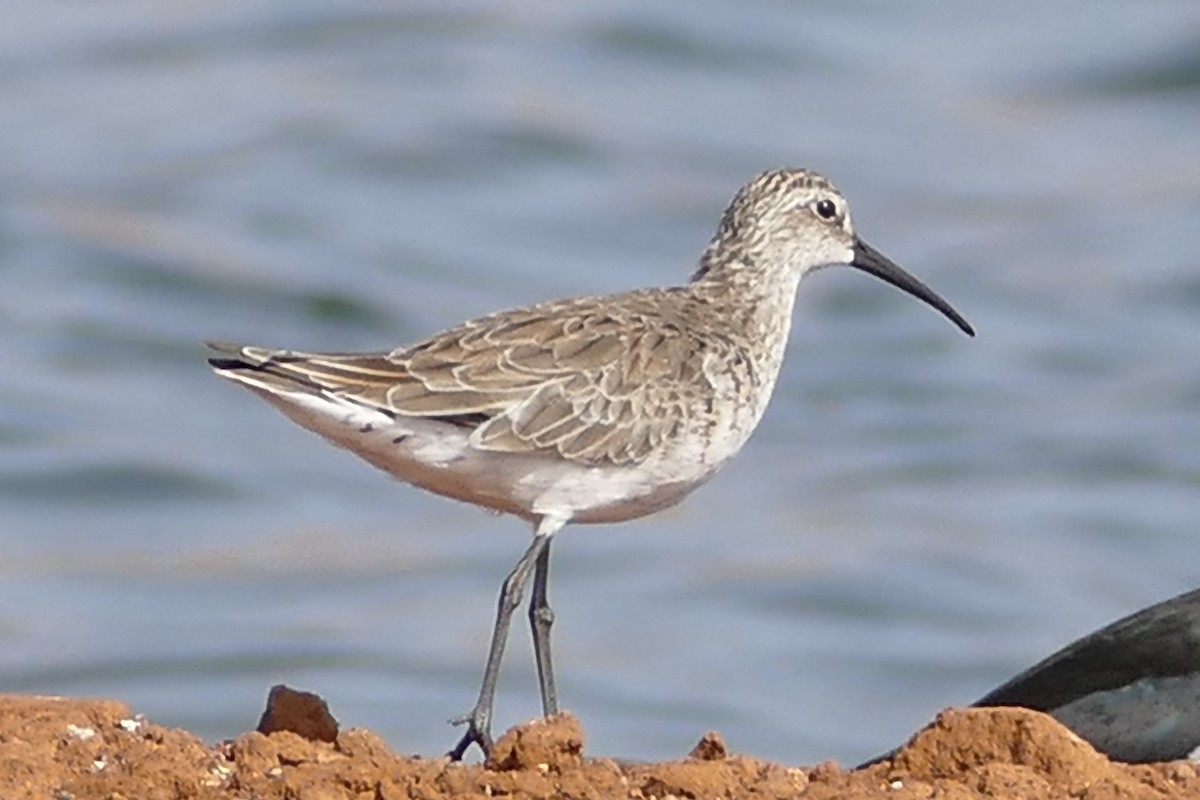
478	732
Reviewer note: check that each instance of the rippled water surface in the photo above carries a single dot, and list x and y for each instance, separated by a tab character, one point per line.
920	514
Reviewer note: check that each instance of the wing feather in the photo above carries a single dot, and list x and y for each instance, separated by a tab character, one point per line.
571	377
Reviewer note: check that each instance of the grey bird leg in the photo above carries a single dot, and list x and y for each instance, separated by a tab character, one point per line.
541	617
479	720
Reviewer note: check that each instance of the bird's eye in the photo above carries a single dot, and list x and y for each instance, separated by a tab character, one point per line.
826	209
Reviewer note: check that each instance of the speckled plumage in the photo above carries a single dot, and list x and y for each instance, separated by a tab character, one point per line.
592	409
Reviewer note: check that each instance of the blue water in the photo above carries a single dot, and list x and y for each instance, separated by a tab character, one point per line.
920	515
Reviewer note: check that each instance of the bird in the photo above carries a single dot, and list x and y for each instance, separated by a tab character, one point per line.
587	410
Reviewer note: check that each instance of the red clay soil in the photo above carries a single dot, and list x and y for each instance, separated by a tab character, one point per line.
72	749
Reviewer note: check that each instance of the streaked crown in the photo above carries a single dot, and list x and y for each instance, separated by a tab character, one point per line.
784	218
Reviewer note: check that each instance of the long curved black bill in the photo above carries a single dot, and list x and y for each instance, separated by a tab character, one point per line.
870	260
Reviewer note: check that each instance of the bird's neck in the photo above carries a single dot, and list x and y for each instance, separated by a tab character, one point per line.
742	281
755	304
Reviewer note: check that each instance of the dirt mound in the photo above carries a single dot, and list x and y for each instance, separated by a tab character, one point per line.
66	748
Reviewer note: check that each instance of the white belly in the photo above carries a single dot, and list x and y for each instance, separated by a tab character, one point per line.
438	457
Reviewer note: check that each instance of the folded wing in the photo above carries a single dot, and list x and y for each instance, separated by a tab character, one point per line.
568	376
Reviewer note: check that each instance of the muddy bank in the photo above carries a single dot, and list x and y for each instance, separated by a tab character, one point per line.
66	748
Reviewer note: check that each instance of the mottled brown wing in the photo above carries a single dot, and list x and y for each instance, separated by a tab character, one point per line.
570	376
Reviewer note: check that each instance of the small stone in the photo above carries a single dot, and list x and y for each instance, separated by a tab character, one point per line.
711	747
83	734
303	713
